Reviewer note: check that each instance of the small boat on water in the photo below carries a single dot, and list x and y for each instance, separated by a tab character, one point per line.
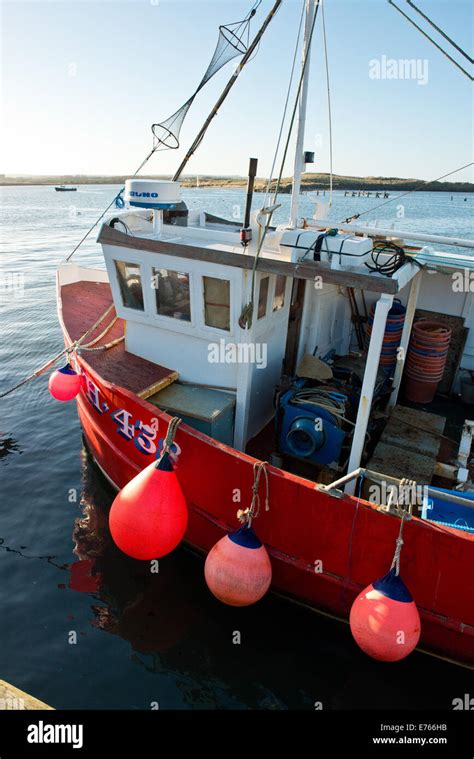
329	355
63	188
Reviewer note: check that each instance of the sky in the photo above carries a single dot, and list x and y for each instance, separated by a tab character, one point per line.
82	82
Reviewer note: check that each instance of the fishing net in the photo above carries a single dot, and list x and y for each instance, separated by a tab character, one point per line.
232	42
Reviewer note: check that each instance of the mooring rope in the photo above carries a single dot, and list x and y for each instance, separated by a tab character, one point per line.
74	346
398	546
253	511
170	435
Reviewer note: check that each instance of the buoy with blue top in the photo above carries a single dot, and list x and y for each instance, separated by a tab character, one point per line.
384	619
238	570
64	384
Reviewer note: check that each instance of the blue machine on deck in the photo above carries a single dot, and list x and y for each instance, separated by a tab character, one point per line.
309	430
316	419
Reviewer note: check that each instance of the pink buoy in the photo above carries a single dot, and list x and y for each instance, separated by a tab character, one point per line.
149	516
384	619
64	384
238	569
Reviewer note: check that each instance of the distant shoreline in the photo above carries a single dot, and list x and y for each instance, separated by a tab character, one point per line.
309	183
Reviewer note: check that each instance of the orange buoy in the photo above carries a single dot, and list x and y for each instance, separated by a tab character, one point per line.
238	569
64	384
149	516
384	619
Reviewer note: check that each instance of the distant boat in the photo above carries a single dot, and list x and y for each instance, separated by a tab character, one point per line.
63	188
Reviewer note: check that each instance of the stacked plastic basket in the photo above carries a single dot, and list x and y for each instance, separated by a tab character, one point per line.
426	360
392	336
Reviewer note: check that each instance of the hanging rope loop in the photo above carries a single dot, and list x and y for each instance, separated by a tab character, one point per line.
245	516
170	435
407	496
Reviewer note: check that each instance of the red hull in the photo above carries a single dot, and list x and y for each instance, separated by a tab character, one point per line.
304	530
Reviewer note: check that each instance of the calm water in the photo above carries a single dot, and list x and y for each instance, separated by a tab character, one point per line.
142	638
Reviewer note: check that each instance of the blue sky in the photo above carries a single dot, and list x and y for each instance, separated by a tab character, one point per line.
83	81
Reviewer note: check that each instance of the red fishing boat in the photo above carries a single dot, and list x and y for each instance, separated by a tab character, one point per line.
252	334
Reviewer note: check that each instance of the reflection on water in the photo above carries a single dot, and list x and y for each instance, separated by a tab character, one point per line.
289	657
8	445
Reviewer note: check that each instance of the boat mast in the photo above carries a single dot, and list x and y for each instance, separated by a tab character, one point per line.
311	6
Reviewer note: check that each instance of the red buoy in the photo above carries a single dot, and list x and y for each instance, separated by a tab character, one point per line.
238	569
384	619
64	384
149	516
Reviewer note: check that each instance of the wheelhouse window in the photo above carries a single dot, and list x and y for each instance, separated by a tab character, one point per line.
279	294
172	294
262	297
130	283
216	302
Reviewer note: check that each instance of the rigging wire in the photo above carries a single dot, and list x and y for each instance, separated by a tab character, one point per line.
156	148
443	34
288	93
329	103
404	194
246	315
84	238
432	40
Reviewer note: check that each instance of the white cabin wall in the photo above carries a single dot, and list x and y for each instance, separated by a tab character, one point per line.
186	354
326	321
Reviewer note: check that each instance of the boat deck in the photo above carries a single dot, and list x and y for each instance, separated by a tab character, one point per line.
83	303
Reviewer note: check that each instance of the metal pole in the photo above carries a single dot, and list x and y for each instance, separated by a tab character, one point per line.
382	308
298	165
405	339
226	90
250	184
404	235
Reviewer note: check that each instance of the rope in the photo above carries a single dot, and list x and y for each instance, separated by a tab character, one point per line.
105	347
170	434
404	194
66	351
83	239
253	511
407	487
432	41
101	335
329	103
398	546
443	34
36	373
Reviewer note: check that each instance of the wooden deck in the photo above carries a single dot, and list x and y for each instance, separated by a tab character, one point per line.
85	302
14	699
